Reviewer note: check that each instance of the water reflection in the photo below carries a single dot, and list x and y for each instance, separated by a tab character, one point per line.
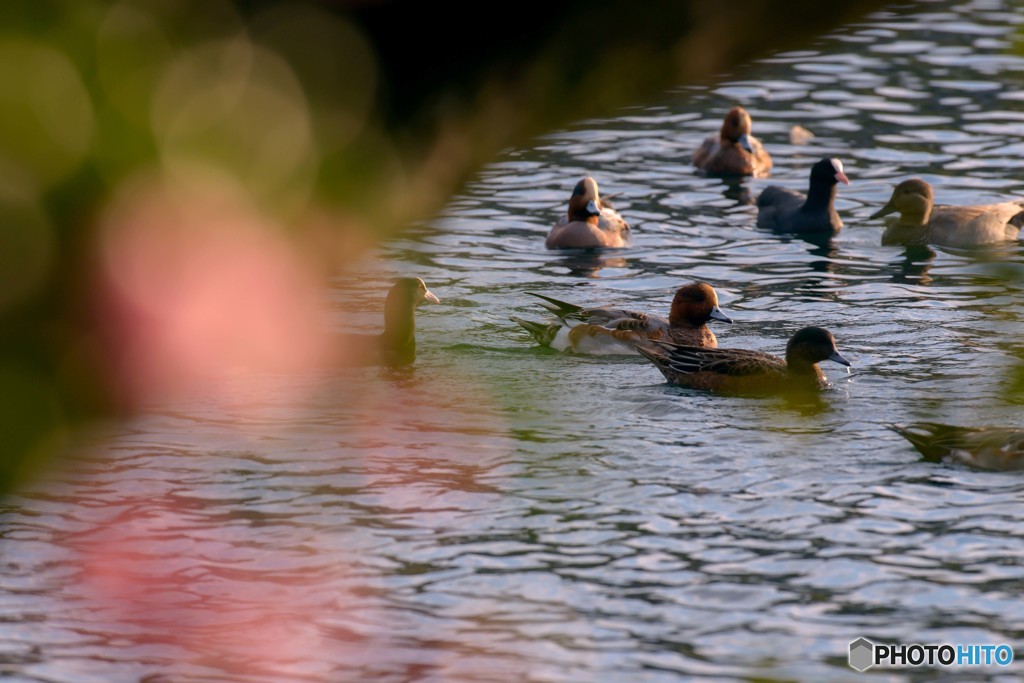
590	262
915	265
736	190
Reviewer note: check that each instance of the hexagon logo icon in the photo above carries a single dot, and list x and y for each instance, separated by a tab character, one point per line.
862	654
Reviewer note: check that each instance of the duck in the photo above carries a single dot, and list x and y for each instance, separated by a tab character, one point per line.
734	151
739	371
921	222
613	331
987	448
590	222
396	345
784	210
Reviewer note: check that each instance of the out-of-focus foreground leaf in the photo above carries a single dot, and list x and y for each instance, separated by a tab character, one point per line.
177	178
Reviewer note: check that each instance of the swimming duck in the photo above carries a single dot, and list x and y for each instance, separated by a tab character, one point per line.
606	331
734	151
590	223
988	448
738	371
920	222
785	210
396	345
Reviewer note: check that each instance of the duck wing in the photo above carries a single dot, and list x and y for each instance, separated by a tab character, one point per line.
732	362
979	224
626	320
775	205
613	222
707	151
608	317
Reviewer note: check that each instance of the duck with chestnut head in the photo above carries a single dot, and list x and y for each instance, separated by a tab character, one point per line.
590	222
609	331
734	151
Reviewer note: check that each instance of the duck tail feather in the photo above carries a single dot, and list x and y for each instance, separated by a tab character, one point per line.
543	333
651	353
560	308
921	436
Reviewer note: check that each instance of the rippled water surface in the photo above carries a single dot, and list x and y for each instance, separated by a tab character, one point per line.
505	513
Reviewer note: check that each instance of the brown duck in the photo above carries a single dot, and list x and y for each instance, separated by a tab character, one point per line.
739	371
988	448
734	151
921	222
590	223
608	331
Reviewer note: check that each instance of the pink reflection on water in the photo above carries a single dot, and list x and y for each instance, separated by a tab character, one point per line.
157	575
424	437
199	293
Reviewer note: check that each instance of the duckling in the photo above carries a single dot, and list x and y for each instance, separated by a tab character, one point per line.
590	223
609	331
739	371
734	151
921	222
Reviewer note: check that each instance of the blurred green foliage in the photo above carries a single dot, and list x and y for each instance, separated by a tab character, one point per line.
359	116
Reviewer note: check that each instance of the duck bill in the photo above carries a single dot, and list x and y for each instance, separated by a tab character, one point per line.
593	209
717	314
837	357
744	142
429	296
884	211
841	178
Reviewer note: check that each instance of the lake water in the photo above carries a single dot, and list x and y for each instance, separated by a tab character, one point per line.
502	512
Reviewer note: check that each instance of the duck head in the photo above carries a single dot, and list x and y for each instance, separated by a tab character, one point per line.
408	293
695	304
585	202
828	172
810	346
736	128
913	200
